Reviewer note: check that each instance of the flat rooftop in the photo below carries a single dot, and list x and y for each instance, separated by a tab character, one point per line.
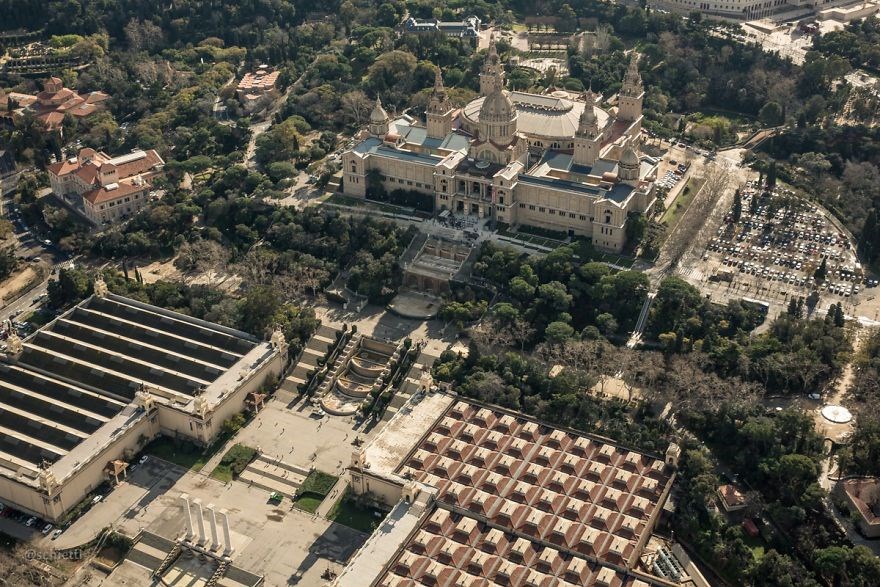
70	389
522	502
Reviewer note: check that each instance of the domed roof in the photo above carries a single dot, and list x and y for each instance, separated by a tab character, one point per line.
629	158
497	107
378	115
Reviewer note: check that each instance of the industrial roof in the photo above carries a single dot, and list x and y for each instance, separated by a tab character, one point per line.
82	370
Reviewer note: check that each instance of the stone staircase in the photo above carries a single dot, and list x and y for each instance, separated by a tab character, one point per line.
315	349
168	561
218	574
271	475
154	552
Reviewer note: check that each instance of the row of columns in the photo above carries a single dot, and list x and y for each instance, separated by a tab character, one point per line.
200	517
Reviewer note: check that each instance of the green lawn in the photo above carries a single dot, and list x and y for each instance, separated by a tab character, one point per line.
313	490
233	463
756	545
681	203
349	513
308	502
319	483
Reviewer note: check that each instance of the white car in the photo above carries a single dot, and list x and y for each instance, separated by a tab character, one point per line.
814	396
47	529
31	521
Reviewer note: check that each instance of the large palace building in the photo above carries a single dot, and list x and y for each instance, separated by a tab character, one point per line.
518	158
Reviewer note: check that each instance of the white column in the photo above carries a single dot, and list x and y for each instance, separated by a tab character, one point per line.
226	538
201	520
188	514
213	519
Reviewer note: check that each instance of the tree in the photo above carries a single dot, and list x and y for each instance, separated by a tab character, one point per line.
257	309
607	324
821	271
771	175
558	332
71	286
737	206
771	114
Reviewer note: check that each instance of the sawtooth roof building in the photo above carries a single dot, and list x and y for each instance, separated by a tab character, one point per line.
548	161
82	395
487	496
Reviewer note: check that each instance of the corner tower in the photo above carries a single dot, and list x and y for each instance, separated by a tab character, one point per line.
439	113
587	138
632	93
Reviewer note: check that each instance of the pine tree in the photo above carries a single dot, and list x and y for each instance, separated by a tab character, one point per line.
792	308
822	271
771	175
737	206
839	318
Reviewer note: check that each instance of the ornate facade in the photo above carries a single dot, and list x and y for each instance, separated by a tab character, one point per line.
550	161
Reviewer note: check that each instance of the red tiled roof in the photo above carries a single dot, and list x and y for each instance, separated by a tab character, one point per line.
101	195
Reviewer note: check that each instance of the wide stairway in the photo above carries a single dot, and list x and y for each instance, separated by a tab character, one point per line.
273	475
315	349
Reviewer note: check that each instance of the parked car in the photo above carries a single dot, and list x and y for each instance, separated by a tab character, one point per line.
47	529
31	521
57	533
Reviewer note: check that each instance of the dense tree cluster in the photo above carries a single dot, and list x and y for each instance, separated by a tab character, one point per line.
858	42
522	383
794	355
558	296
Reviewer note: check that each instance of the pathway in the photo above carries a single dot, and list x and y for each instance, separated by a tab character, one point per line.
334	496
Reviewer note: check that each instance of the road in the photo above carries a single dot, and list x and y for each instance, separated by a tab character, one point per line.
26	246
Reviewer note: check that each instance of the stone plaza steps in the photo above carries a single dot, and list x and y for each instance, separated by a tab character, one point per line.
272	475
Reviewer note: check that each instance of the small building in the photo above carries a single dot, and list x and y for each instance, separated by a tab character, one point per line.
732	499
258	89
863	496
109	189
468	28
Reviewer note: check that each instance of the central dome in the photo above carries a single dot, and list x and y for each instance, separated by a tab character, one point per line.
497	107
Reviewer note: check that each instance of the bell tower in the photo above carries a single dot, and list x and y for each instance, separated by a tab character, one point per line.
439	113
632	93
587	138
492	71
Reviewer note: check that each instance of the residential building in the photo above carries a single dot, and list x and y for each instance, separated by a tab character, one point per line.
258	89
732	499
54	103
863	496
84	394
109	189
547	161
468	28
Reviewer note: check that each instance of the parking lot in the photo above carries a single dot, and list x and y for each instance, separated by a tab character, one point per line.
777	249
